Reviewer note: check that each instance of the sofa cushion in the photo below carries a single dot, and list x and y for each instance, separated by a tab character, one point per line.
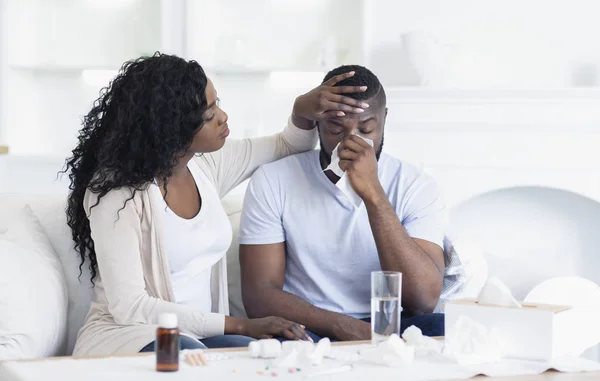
11	205
33	293
233	207
50	210
80	289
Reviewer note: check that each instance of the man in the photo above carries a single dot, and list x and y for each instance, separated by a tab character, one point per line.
307	251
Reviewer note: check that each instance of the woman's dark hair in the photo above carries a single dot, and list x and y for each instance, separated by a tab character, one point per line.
142	121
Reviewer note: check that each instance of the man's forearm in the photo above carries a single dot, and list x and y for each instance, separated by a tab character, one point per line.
276	302
422	279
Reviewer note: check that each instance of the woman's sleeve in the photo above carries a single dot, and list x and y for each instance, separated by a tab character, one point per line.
238	159
116	230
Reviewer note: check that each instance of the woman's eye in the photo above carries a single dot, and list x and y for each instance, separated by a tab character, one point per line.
366	132
335	132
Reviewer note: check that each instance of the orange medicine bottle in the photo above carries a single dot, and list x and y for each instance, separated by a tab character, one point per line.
167	343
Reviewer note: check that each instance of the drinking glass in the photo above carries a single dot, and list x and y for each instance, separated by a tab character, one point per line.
386	297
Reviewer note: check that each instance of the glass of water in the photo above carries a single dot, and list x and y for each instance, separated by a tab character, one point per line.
386	293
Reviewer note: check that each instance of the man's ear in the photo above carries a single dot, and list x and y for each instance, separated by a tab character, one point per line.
319	130
384	117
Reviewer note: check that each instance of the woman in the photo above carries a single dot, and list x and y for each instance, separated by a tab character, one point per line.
146	181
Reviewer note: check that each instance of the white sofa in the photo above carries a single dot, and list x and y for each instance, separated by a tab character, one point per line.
65	314
57	318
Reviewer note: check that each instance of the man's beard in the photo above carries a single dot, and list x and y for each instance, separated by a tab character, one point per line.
326	158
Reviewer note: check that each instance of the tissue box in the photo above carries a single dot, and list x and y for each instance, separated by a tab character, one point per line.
533	332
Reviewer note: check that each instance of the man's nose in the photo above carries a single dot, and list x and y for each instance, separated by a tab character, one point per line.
350	132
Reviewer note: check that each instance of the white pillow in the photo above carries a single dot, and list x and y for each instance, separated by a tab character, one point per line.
80	289
33	293
234	280
233	207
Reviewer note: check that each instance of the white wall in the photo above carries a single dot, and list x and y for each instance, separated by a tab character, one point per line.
81	33
47	46
273	34
477	141
240	44
486	43
47	98
3	67
489	44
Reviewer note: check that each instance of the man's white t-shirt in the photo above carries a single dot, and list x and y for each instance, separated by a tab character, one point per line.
330	247
193	246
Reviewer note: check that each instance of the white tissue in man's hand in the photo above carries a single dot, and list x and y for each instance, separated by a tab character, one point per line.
470	343
343	183
496	293
423	345
334	165
392	352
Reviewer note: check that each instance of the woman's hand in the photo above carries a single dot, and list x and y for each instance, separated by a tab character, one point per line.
327	101
266	328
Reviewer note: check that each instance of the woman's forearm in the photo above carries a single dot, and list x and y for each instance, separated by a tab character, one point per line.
234	326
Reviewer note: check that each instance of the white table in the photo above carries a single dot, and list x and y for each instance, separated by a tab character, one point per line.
239	366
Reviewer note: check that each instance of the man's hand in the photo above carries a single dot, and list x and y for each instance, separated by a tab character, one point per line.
348	328
327	101
358	160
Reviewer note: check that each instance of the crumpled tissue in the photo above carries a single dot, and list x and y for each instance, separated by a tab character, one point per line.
322	349
300	346
424	345
266	348
287	359
301	353
470	343
497	293
344	183
392	352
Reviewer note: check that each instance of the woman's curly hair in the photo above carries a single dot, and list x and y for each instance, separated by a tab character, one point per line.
137	128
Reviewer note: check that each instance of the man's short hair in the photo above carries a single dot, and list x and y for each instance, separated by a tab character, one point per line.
362	77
